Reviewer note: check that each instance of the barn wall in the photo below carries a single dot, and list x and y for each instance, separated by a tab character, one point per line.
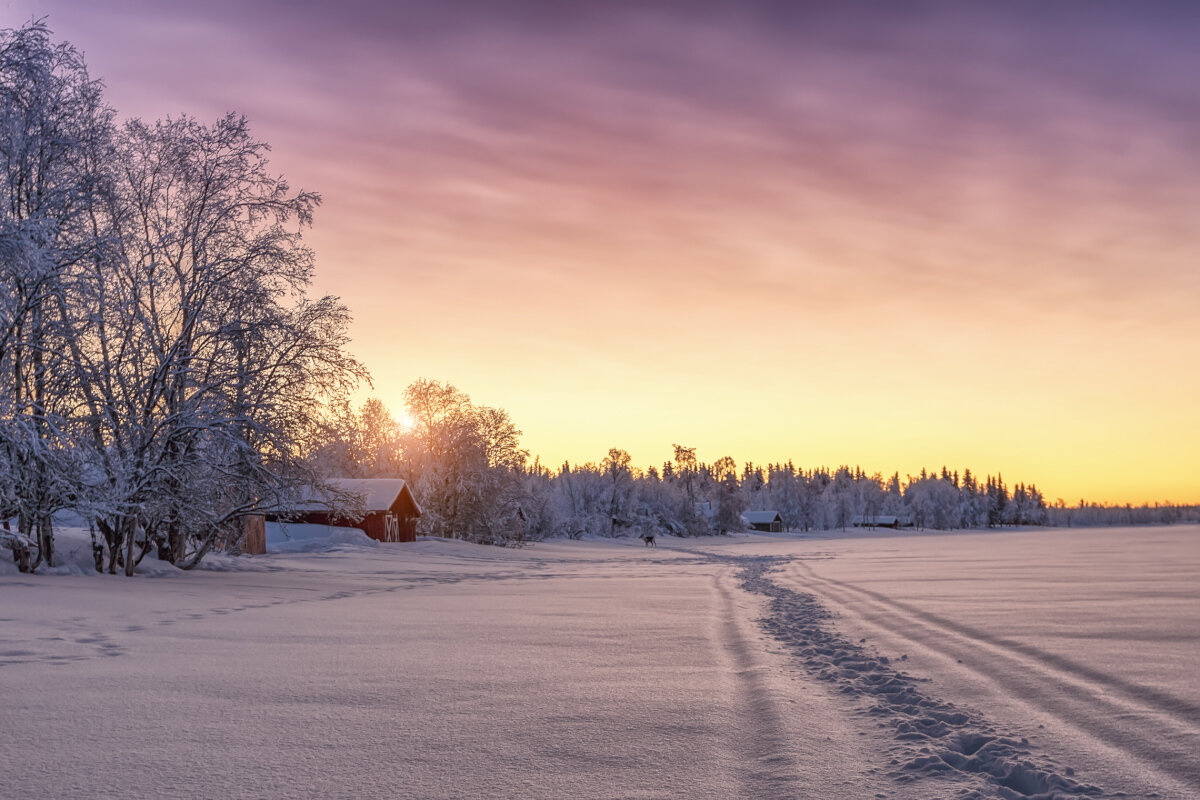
408	529
254	534
406	515
375	527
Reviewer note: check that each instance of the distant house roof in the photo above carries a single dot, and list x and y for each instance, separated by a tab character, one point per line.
378	494
761	517
880	520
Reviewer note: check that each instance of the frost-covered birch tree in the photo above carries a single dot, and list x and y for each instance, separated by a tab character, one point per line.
203	363
162	369
465	463
618	475
54	127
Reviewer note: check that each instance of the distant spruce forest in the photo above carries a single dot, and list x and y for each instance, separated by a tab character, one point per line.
474	481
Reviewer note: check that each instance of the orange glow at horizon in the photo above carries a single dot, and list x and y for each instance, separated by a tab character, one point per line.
962	235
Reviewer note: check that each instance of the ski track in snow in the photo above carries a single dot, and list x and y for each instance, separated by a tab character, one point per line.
937	748
934	739
768	769
1151	725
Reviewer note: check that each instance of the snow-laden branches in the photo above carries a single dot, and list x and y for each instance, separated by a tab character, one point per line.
161	369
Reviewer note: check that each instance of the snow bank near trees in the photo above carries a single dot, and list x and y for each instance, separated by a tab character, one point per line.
75	550
297	538
74	555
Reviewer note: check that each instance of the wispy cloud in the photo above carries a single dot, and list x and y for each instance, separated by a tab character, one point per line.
637	187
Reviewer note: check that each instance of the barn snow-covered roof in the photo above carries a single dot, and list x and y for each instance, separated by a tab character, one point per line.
760	516
378	494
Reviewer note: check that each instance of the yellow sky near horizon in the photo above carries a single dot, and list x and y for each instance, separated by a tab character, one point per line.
949	234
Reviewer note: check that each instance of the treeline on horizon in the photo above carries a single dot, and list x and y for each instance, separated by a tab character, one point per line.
474	481
164	375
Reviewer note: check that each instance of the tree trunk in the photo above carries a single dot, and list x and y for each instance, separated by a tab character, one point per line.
178	544
25	528
130	524
97	548
112	537
202	551
46	540
20	552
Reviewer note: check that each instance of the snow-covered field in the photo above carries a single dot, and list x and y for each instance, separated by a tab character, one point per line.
1013	664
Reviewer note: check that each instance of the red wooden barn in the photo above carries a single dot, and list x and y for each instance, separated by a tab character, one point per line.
389	509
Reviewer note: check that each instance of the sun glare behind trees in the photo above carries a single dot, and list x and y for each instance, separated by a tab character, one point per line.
475	482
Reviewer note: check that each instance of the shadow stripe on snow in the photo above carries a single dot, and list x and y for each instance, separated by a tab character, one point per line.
768	769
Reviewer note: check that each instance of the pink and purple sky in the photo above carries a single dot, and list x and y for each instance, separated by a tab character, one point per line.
897	234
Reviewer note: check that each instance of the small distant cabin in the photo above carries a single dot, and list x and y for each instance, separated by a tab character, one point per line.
390	511
881	521
768	521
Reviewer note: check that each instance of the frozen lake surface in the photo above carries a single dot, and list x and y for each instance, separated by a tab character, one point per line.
1047	663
